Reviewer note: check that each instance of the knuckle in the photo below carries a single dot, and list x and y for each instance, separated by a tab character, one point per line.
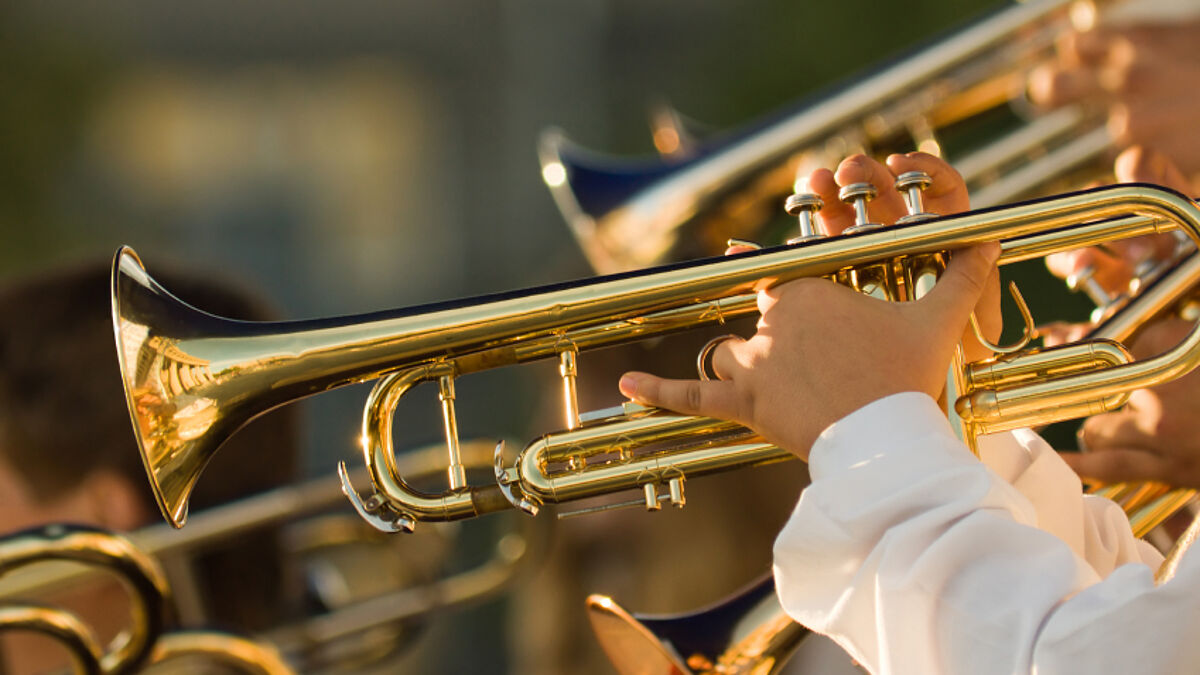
693	396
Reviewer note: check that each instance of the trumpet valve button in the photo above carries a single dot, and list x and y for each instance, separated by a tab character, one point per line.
911	184
857	191
857	195
803	202
913	179
803	205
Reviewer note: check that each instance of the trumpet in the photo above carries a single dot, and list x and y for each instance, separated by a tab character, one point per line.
191	379
631	214
145	641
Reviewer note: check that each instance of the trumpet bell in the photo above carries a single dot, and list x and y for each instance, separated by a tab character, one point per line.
744	633
181	411
591	189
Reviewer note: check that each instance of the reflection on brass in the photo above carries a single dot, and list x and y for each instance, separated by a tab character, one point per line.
244	656
631	214
141	577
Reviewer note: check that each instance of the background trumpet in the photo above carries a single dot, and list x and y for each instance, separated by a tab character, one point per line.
628	215
374	597
145	642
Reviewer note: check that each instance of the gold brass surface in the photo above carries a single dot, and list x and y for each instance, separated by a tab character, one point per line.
244	656
192	379
60	625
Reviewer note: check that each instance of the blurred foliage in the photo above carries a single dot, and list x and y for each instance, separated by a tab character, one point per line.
50	82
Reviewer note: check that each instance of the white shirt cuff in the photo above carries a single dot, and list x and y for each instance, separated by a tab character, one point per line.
890	422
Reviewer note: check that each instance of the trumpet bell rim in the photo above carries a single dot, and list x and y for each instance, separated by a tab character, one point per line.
128	268
630	646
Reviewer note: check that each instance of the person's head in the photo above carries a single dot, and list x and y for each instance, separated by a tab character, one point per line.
67	448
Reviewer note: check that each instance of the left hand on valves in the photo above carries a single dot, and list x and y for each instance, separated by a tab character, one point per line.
822	350
1156	436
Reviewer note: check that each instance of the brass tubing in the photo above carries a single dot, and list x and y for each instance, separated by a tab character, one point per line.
63	627
1054	362
1142	494
150	606
661	201
456	473
1151	516
1084	235
610	478
639	430
568	370
242	655
381	460
1153	298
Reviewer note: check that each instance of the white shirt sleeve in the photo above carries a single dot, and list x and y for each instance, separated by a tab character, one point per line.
918	558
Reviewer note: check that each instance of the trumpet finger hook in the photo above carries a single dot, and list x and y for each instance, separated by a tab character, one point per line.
1030	331
704	359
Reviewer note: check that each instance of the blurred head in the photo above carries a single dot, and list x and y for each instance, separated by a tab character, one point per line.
67	449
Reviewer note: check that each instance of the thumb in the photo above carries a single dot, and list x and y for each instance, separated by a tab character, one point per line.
961	286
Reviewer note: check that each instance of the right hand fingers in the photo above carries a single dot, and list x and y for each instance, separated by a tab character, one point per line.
1138	164
1051	85
960	288
1116	465
1112	272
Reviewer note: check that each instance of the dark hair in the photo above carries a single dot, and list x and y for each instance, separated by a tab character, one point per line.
63	413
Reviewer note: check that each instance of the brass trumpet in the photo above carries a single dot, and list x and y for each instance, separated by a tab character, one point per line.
631	214
192	379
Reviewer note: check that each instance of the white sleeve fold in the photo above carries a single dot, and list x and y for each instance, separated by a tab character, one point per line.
918	558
